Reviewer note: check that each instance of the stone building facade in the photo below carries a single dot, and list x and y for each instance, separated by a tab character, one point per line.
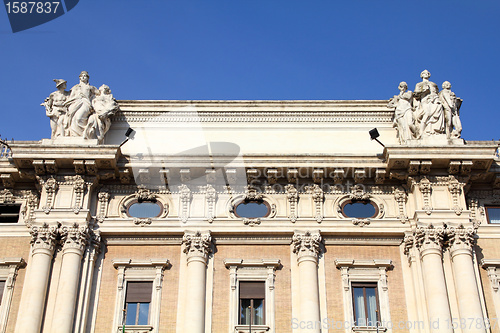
269	216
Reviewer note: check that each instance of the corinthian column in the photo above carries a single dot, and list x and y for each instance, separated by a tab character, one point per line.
29	319
469	305
74	240
430	241
306	246
197	247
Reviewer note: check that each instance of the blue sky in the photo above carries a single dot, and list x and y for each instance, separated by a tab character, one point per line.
239	49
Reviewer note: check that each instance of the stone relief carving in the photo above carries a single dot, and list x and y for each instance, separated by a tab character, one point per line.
318	197
103	200
197	244
426	189
460	238
306	243
30	206
210	197
293	196
144	194
50	186
429	237
6	196
43	237
252	222
79	189
361	222
185	197
142	221
74	237
455	189
84	111
426	114
400	196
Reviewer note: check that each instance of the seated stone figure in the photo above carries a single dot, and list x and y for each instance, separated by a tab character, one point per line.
98	122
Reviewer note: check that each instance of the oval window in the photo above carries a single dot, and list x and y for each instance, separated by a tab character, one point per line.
359	209
145	209
252	209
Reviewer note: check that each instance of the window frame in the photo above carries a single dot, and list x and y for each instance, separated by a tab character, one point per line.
133	202
139	271
486	207
364	285
9	268
252	270
10	204
365	271
246	201
251	304
353	201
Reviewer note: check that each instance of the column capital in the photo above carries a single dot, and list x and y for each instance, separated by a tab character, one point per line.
74	237
197	244
429	239
461	239
43	237
306	244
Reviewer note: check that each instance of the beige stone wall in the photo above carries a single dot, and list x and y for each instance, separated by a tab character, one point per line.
334	296
15	247
283	301
107	296
488	249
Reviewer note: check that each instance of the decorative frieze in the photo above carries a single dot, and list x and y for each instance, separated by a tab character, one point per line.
306	243
293	196
197	244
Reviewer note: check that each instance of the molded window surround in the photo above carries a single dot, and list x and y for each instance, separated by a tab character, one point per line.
365	271
8	273
139	271
251	270
492	266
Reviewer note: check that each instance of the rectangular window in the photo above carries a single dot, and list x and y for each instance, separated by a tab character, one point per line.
137	301
252	303
493	214
2	287
9	213
365	300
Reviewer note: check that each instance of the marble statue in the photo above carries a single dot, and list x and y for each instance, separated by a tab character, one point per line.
83	112
429	110
403	113
427	116
55	109
451	104
80	105
104	106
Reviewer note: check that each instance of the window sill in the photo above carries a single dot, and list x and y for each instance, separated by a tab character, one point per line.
368	329
136	329
255	329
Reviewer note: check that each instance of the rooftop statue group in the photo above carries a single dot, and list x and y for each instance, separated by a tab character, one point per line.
426	112
84	111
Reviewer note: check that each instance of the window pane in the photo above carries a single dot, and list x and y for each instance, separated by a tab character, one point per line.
252	209
359	307
9	213
2	287
493	214
245	311
131	313
359	209
258	305
144	209
143	314
371	304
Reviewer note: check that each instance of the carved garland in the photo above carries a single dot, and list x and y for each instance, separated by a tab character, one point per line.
318	197
426	189
400	196
79	189
293	196
50	187
185	198
103	200
210	197
455	189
